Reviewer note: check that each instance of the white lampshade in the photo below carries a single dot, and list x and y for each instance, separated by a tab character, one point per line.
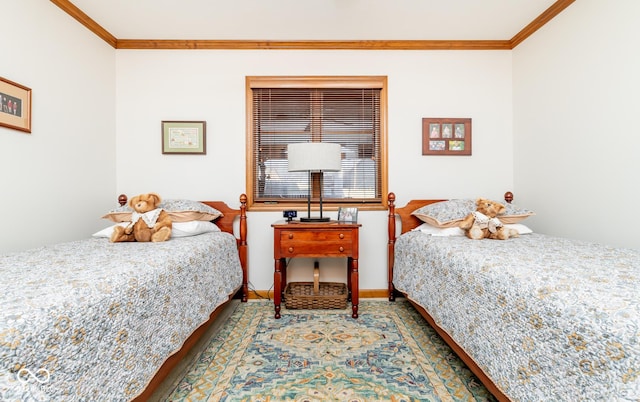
314	156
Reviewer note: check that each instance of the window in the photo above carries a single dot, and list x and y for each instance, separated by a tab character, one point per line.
350	111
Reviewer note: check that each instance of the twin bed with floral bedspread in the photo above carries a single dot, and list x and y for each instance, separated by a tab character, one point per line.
537	318
94	320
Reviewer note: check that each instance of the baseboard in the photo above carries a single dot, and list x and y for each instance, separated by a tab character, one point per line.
364	294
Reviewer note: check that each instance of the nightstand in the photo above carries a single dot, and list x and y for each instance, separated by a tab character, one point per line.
321	240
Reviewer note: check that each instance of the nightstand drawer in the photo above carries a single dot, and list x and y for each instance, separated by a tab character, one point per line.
329	243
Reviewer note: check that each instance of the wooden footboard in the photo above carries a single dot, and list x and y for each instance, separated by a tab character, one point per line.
408	223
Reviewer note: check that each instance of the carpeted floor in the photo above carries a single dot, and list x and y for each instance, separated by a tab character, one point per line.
388	354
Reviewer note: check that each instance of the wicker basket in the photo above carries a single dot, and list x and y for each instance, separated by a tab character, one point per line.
301	295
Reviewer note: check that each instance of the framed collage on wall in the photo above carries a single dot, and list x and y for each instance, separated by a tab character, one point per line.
446	136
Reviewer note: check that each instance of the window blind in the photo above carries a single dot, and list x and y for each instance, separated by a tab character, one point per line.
346	116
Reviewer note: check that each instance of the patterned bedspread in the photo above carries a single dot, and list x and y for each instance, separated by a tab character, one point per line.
548	319
93	320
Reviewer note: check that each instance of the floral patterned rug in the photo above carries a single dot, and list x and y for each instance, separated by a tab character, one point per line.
388	354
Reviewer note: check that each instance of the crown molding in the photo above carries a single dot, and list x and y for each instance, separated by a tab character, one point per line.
85	20
193	44
555	9
314	44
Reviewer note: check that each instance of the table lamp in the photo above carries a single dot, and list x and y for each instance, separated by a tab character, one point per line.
314	157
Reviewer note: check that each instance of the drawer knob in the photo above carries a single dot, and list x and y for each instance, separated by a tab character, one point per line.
341	249
341	235
291	235
291	249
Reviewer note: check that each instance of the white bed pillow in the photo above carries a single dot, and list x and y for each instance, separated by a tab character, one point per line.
456	231
436	231
106	232
522	229
179	229
192	228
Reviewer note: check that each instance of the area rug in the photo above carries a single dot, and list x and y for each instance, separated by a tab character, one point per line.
389	353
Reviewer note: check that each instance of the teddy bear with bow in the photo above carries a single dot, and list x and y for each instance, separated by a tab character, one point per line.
148	221
484	222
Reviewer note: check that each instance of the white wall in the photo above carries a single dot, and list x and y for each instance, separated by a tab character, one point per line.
555	125
210	85
576	135
56	181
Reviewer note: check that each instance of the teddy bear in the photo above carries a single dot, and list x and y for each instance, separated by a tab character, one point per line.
484	222
148	222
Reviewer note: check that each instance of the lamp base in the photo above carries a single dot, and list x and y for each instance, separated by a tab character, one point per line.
315	219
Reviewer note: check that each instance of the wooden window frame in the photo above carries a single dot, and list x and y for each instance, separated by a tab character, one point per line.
322	82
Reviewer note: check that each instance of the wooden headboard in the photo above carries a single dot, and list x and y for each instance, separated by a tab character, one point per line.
407	220
229	215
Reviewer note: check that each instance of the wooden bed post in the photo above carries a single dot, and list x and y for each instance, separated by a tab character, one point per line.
508	197
242	246
390	246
